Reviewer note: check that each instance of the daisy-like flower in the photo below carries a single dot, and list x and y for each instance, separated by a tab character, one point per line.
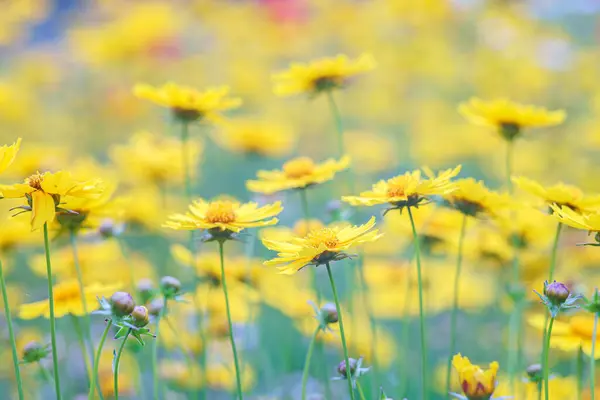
476	383
88	212
67	300
8	154
473	198
189	104
559	194
256	137
321	75
46	191
298	173
408	190
569	335
586	221
319	247
224	218
508	117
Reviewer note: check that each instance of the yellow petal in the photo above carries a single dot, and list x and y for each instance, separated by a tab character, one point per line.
43	211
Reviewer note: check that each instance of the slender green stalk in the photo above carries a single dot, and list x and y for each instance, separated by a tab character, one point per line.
593	359
52	318
421	308
553	254
97	358
185	160
307	361
546	354
130	265
579	373
404	377
342	334
11	333
45	373
116	366
81	340
155	377
232	339
360	390
509	168
337	117
454	314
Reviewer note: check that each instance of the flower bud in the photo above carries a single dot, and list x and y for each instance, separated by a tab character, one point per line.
534	372
329	313
557	292
140	316
34	352
170	286
341	368
122	303
109	228
145	288
155	307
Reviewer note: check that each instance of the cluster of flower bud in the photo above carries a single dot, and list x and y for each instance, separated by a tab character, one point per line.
123	307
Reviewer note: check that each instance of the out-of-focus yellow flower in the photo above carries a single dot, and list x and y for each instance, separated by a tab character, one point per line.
586	221
67	300
406	190
559	388
570	335
319	246
321	75
33	158
509	117
528	227
90	211
472	198
153	158
224	215
181	375
189	104
475	382
8	154
249	136
370	152
560	194
44	193
222	376
298	173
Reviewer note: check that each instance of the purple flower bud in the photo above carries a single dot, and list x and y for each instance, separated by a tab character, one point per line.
329	313
342	367
557	292
122	303
140	316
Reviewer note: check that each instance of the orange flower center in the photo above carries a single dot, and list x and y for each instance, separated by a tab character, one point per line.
220	211
325	236
299	167
396	191
35	181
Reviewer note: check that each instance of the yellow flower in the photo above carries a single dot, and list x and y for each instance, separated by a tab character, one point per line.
319	246
67	300
189	104
570	335
406	190
509	117
475	382
586	221
298	173
44	193
224	216
90	211
321	75
8	154
559	194
256	137
472	198
559	388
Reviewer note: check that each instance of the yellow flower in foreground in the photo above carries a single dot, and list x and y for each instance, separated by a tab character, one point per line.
256	137
475	382
321	75
559	194
509	117
319	246
8	154
224	215
570	335
67	300
189	104
44	193
589	222
472	198
298	173
406	190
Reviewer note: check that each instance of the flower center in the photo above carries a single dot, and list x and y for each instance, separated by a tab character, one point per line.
327	83
66	292
35	181
299	167
325	236
220	211
396	191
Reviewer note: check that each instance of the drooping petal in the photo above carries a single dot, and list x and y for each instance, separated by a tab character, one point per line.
43	209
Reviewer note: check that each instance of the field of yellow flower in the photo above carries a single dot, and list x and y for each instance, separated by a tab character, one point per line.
299	199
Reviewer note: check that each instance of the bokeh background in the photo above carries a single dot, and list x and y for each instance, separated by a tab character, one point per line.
66	75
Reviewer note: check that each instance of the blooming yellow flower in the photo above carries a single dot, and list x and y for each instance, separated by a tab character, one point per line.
475	382
559	388
67	300
509	117
569	335
298	173
321	75
406	190
319	246
587	221
559	194
224	215
472	198
189	104
90	211
255	137
44	193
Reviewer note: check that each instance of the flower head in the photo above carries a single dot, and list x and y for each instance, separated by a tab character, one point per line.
472	198
579	220
297	173
189	104
569	334
256	137
321	75
476	383
319	246
509	117
407	190
559	194
45	192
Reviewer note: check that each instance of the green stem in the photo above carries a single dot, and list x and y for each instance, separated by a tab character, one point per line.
360	390
81	340
116	366
342	334
97	358
509	167
364	289
130	265
52	318
45	373
421	309
579	373
185	160
155	377
554	252
307	361
404	377
455	300
11	333
593	359
546	356
337	117
513	342
232	339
